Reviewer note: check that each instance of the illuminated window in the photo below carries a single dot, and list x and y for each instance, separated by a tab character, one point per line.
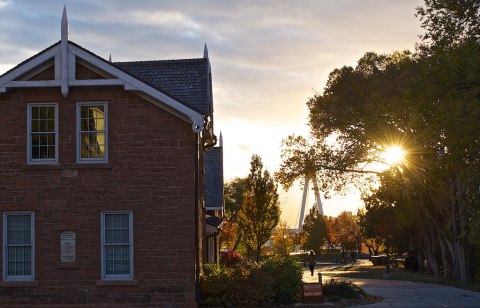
92	132
117	248
18	246
42	133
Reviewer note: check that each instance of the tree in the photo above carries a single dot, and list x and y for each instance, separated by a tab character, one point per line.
283	241
260	212
315	230
234	192
298	163
347	231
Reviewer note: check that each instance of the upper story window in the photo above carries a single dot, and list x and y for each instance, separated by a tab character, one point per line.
18	246
117	245
42	133
92	132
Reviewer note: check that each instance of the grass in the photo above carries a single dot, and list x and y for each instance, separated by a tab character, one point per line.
376	272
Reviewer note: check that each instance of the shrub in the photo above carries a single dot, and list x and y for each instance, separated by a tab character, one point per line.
340	289
275	280
287	278
230	258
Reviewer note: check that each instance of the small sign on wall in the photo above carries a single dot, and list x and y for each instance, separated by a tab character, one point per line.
67	246
312	293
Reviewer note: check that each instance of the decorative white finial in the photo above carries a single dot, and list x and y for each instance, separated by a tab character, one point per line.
110	58
220	140
64	53
64	24
205	52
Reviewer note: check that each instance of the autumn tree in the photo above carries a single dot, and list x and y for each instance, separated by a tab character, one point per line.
260	211
234	192
315	231
283	240
347	231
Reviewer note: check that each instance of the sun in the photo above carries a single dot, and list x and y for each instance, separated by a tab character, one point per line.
393	155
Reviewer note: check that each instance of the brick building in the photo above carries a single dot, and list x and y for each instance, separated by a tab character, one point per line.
102	179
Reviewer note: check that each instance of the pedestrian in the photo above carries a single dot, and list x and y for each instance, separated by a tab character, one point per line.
353	255
344	260
311	261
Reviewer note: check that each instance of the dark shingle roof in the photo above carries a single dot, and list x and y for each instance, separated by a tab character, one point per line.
214	177
185	80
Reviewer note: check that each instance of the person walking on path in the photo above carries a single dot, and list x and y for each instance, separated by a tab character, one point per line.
311	261
353	255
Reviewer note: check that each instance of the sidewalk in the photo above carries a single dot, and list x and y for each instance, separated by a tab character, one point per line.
398	293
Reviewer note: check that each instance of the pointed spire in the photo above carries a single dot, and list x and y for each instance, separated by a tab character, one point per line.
220	140
110	58
64	53
64	31
205	52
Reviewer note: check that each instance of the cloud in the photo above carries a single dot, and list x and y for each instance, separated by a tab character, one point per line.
268	57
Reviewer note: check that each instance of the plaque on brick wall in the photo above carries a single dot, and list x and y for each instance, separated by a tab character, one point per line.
67	246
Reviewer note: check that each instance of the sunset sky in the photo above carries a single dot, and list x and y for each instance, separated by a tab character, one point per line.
268	57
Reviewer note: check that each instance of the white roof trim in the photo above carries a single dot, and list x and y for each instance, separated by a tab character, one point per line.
65	78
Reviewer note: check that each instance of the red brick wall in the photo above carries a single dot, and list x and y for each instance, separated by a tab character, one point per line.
150	172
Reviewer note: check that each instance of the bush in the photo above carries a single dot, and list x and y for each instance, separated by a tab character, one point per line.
275	280
230	258
335	290
287	278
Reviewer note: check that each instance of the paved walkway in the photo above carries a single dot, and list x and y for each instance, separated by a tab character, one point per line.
398	293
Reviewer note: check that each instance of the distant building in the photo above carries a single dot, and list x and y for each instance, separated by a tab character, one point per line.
103	183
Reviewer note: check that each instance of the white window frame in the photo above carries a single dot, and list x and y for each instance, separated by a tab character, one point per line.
30	160
81	160
103	253
6	277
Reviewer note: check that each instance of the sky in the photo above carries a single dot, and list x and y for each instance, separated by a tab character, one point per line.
268	57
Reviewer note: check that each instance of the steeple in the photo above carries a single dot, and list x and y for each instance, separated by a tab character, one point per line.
220	140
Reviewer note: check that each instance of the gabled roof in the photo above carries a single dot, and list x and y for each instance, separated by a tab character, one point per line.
186	80
167	92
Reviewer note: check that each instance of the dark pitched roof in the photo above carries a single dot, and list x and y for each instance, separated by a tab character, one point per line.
185	80
214	177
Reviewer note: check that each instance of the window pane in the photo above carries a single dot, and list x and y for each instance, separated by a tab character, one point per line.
43	112
108	236
125	236
51	125
35	113
109	252
35	126
109	267
35	152
51	112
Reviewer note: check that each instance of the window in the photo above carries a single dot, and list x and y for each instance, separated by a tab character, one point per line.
18	246
117	246
92	132
42	133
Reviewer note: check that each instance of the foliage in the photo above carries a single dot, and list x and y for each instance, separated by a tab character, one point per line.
228	235
234	192
338	289
230	258
315	230
260	212
275	280
347	231
287	273
282	240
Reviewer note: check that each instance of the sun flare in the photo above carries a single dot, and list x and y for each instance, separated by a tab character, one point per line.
393	155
